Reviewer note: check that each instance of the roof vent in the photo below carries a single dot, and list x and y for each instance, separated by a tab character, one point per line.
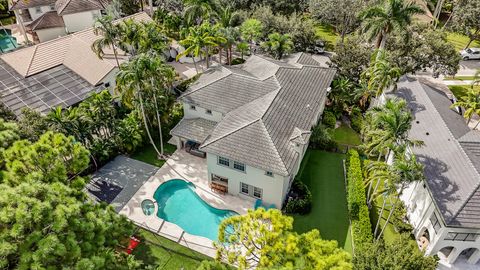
427	133
418	122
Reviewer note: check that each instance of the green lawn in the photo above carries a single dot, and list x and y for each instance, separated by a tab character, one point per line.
346	135
390	235
148	154
461	90
460	41
322	172
166	254
327	33
459	78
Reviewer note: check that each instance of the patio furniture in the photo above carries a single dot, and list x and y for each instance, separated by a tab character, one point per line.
198	153
219	188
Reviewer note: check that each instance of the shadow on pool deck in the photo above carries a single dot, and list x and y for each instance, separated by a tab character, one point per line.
117	181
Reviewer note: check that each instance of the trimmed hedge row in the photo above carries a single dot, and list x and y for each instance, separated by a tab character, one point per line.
356	199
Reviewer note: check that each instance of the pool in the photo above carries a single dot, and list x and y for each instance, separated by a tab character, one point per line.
179	203
7	41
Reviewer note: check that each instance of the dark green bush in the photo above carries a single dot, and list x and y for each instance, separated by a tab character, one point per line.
237	61
321	138
329	119
356	120
356	200
302	203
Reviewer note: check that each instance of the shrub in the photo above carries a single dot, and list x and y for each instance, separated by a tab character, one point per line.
356	200
321	138
329	119
237	61
356	122
301	203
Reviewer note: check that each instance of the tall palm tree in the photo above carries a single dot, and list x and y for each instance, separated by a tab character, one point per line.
407	170
380	20
363	94
197	10
109	37
381	75
242	48
278	45
251	30
229	36
129	34
199	40
142	78
225	15
471	103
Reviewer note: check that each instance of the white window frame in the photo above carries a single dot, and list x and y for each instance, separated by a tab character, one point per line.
239	164
252	191
260	190
242	186
269	173
225	160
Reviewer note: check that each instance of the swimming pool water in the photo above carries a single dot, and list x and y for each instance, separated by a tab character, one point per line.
7	42
178	203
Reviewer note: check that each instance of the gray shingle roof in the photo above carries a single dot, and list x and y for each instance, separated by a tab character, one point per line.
196	129
23	4
452	176
270	110
64	7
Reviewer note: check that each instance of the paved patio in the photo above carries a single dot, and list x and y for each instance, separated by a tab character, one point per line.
181	165
117	181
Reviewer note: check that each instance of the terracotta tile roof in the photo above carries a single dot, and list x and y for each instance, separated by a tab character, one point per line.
75	6
47	20
23	4
73	51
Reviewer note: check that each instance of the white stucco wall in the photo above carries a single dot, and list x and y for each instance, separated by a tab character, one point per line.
50	33
273	187
79	21
200	112
420	208
35	15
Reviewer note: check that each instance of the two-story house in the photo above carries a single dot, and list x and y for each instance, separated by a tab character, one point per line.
445	208
254	122
49	19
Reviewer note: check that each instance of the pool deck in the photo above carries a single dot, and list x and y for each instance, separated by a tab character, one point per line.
181	165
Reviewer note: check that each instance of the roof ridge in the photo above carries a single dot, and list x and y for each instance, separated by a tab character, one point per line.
466	201
216	80
62	8
31	61
231	132
274	146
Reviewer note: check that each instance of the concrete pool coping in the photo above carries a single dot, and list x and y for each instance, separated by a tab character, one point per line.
181	165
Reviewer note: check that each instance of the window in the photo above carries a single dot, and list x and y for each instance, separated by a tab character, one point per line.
269	173
239	166
224	161
208	111
257	192
435	223
192	107
469	237
244	188
38	10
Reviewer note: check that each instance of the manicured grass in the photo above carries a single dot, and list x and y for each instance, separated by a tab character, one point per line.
322	172
327	33
459	78
166	254
389	235
346	135
148	154
461	90
460	41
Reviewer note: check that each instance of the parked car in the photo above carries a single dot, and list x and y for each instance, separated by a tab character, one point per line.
470	53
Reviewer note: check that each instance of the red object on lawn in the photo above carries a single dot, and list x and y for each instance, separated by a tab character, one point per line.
132	244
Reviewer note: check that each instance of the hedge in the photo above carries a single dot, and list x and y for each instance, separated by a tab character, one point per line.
356	199
329	119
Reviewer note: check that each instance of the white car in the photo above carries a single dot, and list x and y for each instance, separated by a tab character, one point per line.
470	53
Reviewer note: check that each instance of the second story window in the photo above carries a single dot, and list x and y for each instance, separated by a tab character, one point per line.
435	223
38	10
192	107
208	111
269	173
224	161
239	166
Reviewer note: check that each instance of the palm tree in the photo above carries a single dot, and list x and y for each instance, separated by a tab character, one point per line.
380	20
144	76
199	40
471	103
229	36
242	48
381	75
225	15
251	30
407	170
129	36
341	94
363	93
197	10
278	45
109	37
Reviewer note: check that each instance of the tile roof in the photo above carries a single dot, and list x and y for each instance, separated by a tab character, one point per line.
268	100
64	7
73	51
47	20
450	155
196	129
23	4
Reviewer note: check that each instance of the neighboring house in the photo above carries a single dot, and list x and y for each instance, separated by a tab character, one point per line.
60	72
445	208
254	122
49	19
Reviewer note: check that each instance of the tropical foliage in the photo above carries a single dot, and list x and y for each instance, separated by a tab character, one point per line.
470	103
